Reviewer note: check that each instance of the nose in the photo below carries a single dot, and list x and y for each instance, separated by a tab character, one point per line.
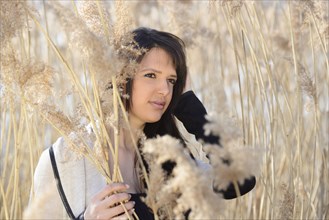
163	87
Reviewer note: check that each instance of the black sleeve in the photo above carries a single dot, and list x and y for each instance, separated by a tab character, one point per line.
244	188
191	112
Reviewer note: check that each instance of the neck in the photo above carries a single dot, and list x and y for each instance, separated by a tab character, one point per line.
129	138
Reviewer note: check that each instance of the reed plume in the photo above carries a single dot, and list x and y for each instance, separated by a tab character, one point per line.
234	6
287	203
93	50
31	82
96	17
169	193
306	82
230	165
123	25
12	19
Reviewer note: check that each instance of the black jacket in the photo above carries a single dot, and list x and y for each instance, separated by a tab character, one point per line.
191	112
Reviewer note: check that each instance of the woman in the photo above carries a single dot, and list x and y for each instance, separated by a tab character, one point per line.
155	93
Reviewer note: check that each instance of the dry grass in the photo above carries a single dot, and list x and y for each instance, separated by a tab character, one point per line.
263	64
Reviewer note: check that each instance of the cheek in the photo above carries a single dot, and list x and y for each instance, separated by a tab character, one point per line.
138	93
169	98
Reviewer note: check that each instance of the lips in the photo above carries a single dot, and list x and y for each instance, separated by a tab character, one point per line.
158	104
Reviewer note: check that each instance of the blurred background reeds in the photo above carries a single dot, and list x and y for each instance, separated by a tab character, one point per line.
263	64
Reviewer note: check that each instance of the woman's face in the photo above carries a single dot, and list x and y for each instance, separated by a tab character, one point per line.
152	87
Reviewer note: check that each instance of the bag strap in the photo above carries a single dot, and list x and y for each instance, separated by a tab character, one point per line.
59	184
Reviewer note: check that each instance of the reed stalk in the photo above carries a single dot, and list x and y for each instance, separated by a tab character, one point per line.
107	31
116	131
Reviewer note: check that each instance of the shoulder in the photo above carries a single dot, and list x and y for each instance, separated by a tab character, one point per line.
43	171
72	147
68	150
64	157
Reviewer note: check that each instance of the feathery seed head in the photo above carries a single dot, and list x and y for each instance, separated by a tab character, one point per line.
12	18
167	156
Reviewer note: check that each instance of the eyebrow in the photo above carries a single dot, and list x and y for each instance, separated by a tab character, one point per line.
156	71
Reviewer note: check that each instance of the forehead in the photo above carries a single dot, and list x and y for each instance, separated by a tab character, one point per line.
157	57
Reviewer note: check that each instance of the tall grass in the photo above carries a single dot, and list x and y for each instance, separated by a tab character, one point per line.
263	63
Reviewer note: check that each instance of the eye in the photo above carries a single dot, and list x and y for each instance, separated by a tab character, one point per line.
150	75
172	81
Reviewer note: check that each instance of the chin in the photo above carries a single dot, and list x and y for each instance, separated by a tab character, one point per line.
153	119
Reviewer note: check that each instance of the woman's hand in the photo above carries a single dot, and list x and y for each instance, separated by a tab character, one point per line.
106	203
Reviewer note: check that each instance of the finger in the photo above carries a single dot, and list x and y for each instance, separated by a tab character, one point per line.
115	199
119	209
110	189
125	216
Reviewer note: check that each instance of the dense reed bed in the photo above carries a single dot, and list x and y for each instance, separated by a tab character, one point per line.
260	67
